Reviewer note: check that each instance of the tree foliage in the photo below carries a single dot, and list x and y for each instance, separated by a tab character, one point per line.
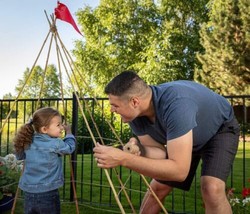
159	40
40	83
226	61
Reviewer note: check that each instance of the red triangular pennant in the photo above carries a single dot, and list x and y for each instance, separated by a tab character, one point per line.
62	12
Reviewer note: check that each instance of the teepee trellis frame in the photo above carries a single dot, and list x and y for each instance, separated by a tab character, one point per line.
76	88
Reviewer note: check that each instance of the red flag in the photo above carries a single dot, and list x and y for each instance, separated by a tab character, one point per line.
62	12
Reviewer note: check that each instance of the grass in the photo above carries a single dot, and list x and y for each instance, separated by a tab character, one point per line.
95	188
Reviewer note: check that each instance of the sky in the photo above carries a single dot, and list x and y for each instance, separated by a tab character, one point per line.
23	29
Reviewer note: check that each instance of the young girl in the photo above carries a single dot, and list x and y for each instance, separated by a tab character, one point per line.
39	143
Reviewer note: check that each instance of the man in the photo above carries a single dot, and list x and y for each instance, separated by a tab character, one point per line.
177	124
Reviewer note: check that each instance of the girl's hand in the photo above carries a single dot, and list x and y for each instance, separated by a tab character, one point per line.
67	128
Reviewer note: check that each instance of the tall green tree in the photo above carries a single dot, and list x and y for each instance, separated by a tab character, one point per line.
159	40
38	78
172	55
225	38
115	35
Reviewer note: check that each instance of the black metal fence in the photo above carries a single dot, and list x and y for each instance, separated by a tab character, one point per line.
93	185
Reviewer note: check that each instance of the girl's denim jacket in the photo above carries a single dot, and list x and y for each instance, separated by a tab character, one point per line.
43	169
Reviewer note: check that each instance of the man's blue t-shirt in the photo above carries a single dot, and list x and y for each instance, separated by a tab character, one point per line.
181	106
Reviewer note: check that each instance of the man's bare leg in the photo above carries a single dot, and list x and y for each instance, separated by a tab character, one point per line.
214	195
149	204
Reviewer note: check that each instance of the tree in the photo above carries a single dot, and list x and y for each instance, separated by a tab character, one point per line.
8	96
225	38
5	107
49	80
178	40
159	40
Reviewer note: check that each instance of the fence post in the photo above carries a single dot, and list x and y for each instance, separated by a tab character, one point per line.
74	154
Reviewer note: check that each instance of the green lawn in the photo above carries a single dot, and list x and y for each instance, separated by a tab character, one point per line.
100	188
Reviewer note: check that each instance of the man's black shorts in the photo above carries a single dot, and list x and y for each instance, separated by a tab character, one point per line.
217	156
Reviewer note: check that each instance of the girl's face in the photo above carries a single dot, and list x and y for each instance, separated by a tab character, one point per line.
55	128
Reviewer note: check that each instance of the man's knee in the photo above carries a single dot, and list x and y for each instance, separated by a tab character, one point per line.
212	188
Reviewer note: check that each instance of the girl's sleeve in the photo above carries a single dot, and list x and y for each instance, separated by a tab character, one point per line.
67	145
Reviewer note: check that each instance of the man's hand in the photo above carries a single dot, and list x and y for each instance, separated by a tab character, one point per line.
108	156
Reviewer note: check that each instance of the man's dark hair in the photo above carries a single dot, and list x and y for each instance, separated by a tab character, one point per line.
127	81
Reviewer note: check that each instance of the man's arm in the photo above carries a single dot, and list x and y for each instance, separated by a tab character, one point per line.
175	168
151	148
